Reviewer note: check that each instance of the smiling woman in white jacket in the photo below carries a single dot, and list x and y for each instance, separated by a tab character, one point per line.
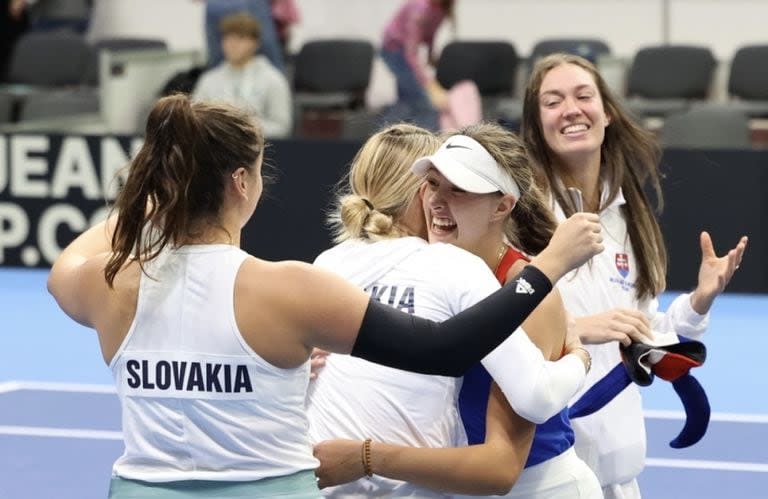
593	157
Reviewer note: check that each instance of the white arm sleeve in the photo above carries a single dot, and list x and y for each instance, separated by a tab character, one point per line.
680	318
535	388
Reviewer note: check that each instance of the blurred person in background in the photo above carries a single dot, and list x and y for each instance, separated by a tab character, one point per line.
419	96
285	14
247	80
216	10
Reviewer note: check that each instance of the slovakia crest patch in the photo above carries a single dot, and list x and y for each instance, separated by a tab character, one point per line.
622	264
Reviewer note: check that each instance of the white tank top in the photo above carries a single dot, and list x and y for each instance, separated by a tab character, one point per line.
197	402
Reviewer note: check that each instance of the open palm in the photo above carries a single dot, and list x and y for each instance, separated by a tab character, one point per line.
715	272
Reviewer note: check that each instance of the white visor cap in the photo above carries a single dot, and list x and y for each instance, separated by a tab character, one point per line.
468	166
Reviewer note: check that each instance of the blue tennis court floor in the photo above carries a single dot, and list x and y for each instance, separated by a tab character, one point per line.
60	418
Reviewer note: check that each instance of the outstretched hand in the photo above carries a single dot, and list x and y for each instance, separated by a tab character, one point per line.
715	272
340	462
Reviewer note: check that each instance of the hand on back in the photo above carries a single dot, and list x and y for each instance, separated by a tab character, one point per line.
340	462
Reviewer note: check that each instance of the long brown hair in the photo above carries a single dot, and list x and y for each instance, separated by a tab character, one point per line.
379	186
629	159
531	223
176	181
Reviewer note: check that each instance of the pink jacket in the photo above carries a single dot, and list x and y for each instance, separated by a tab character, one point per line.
285	11
415	23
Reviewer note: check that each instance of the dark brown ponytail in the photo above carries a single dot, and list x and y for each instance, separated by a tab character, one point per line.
175	183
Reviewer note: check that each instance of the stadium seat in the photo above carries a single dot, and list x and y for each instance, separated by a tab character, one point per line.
665	79
330	81
44	62
492	66
333	73
707	127
588	48
49	59
748	80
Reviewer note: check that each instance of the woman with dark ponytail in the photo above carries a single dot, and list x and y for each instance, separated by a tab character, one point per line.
210	346
593	157
478	193
176	182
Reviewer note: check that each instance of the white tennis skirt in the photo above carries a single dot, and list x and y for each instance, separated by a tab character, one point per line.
562	477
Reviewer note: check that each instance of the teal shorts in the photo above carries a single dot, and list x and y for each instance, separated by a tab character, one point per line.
302	485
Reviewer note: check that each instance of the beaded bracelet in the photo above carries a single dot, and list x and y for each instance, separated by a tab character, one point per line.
366	457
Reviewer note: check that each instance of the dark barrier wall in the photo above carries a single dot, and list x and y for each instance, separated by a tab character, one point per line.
290	221
726	194
51	187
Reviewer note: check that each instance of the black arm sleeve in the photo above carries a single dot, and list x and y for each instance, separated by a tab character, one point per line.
393	338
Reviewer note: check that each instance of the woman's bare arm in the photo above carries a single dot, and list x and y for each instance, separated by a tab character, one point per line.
474	469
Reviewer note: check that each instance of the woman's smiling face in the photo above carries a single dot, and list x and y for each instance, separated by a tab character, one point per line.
456	216
573	118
